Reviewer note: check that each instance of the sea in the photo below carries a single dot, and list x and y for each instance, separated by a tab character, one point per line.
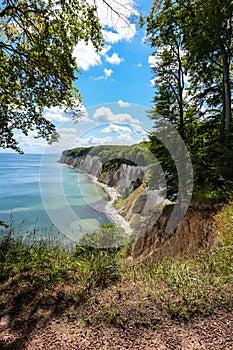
43	199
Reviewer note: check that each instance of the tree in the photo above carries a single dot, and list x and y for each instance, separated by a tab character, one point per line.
169	66
208	35
203	30
37	68
196	41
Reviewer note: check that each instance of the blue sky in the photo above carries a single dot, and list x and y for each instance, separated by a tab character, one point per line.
115	85
129	80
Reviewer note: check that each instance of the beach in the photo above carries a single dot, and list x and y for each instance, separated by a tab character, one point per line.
109	210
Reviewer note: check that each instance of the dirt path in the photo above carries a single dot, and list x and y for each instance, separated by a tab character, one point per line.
213	333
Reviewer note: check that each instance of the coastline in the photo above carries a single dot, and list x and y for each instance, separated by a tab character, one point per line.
109	210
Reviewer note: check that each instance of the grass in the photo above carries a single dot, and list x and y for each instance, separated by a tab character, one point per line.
121	292
39	268
124	202
194	286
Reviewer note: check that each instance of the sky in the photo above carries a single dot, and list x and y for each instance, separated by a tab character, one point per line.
116	85
121	71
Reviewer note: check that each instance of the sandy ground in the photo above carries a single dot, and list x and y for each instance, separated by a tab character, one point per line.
209	333
109	210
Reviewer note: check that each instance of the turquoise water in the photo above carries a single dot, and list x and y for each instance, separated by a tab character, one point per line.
37	194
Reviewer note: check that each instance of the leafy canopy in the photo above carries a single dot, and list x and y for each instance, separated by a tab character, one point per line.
37	68
193	42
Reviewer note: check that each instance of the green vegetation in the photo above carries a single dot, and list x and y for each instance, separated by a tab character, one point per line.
38	268
37	66
122	202
137	154
191	39
183	287
193	87
77	152
198	285
115	164
109	236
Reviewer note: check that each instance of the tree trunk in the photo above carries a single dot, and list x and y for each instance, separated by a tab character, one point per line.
181	126
227	96
223	114
181	99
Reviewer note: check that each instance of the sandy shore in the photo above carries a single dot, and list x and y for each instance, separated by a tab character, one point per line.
109	210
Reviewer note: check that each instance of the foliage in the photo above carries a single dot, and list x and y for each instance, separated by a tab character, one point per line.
43	267
193	82
212	161
77	152
137	154
109	237
184	287
37	67
198	47
115	164
154	177
187	287
168	65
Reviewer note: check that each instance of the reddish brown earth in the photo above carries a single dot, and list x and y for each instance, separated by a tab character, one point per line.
117	317
215	332
76	329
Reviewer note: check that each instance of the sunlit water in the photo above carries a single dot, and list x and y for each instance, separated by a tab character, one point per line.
21	204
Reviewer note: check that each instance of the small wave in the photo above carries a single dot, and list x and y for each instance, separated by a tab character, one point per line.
14	210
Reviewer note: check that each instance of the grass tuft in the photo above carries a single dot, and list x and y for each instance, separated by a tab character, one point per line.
120	291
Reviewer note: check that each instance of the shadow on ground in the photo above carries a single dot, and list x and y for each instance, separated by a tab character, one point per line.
23	308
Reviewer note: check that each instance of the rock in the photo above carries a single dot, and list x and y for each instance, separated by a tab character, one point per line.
139	204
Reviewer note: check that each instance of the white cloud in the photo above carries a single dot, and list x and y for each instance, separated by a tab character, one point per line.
152	60
67	137
125	139
117	27
105	49
83	116
122	139
107	74
139	65
67	130
123	104
84	120
66	141
139	130
100	141
29	143
118	129
86	55
153	82
124	132
122	32
105	114
156	59
124	8
114	59
81	142
117	21
55	114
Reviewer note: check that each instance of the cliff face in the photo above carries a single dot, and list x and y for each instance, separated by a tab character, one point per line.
194	234
125	178
88	164
139	204
143	207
